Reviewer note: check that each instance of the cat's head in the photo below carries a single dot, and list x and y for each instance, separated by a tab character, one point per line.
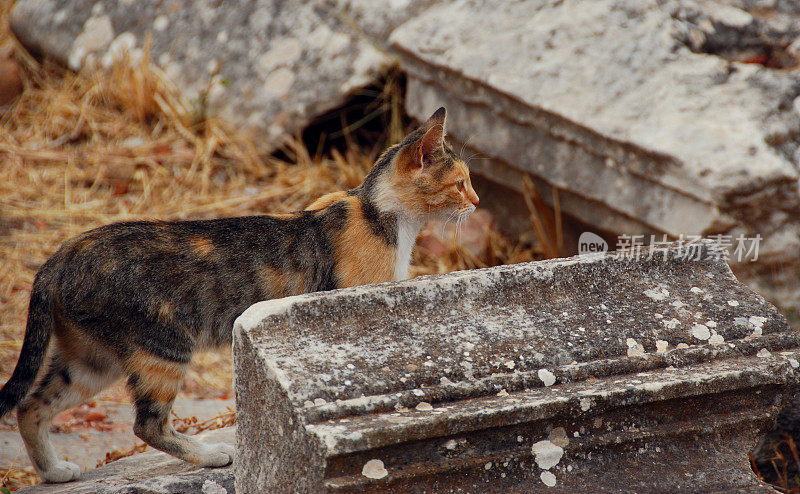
427	177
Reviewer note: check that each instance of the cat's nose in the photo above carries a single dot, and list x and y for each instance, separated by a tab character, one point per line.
475	200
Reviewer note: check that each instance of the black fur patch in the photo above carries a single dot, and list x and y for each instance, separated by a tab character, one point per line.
383	225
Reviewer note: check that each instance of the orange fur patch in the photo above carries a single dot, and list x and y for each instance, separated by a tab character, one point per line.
361	256
202	246
326	200
160	379
282	283
73	344
165	311
284	216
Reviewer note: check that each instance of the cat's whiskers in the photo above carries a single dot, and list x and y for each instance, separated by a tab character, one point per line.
463	146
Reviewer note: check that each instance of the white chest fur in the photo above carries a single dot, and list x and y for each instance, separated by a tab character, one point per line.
406	238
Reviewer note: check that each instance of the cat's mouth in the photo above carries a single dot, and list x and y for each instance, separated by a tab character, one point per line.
467	211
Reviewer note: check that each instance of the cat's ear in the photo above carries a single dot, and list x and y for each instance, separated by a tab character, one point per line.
437	118
433	140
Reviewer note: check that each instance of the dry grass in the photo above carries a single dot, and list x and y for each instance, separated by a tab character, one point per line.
782	470
82	150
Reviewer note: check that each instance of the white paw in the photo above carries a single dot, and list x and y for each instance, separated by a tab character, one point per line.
62	471
217	455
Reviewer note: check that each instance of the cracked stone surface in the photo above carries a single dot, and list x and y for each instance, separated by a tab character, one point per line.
639	130
343	373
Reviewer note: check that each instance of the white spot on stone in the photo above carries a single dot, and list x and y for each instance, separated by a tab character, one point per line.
763	353
222	37
211	487
279	82
682	345
502	392
794	363
160	23
212	67
671	324
701	332
337	42
308	403
124	44
547	454
488	466
634	347
351	366
374	469
424	406
695	289
548	478
733	303
319	401
450	445
283	53
164	59
757	321
510	364
716	339
586	404
97	33
657	293
661	346
547	377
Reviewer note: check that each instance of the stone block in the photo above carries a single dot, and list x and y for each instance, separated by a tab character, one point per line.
266	66
639	132
597	373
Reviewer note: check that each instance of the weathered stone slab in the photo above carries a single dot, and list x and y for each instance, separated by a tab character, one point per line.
645	373
267	65
151	472
638	132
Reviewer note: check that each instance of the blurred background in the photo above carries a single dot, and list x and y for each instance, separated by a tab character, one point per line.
637	121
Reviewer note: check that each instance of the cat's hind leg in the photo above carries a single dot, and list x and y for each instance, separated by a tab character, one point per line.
154	383
64	385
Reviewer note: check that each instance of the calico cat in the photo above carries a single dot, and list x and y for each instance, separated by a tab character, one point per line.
136	299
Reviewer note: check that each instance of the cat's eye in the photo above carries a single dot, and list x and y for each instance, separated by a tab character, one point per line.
460	184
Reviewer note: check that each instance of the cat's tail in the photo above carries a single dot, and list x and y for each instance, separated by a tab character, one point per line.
34	347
